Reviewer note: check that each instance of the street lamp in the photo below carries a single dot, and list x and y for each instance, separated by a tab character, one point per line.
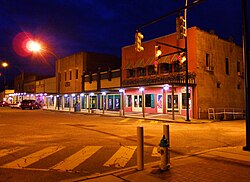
36	47
4	65
33	46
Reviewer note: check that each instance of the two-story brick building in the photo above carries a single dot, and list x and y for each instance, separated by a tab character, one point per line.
215	78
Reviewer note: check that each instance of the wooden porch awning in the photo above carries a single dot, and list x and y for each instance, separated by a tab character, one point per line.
149	61
165	59
139	63
128	65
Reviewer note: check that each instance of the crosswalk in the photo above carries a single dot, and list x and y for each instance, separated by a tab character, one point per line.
119	159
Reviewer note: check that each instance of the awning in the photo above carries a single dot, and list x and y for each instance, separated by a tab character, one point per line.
150	61
129	65
165	59
139	63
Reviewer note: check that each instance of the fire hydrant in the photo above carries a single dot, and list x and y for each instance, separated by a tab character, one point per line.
163	149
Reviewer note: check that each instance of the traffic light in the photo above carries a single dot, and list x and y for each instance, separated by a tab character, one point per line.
155	66
157	51
182	57
180	27
138	38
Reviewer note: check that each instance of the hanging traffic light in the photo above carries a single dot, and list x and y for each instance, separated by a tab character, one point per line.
182	57
155	66
138	38
157	51
180	27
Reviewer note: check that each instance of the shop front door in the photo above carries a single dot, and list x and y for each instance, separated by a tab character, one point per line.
137	103
169	103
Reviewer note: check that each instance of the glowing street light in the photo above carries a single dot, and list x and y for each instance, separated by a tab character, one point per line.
36	47
5	64
33	46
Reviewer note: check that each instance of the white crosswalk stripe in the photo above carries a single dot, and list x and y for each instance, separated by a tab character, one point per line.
5	152
121	157
32	158
76	159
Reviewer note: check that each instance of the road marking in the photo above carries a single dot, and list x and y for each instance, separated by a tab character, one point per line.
121	157
5	152
32	158
125	120
155	152
76	159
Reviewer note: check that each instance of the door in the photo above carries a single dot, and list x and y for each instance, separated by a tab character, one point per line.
137	103
169	102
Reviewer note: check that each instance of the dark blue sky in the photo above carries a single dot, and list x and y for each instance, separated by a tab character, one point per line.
70	26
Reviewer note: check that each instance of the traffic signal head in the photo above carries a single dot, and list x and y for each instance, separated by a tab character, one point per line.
182	57
180	27
155	66
138	38
157	51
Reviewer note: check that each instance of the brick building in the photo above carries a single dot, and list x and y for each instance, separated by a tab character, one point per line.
215	75
88	68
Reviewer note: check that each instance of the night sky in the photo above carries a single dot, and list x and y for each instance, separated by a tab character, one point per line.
69	26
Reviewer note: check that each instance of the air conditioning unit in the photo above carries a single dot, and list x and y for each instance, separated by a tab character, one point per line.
209	68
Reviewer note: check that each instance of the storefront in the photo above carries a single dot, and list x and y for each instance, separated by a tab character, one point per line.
158	100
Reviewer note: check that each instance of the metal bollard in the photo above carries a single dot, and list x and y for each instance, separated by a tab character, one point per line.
164	151
140	148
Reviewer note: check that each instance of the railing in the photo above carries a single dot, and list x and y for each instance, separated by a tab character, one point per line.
225	113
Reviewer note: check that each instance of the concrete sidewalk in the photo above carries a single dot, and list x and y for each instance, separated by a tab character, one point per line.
138	115
229	164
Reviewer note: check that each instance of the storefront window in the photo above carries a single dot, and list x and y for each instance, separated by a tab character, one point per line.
140	101
149	100
93	102
184	100
117	102
170	102
136	101
128	100
66	104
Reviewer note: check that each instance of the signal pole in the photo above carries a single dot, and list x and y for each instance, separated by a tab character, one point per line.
186	46
247	71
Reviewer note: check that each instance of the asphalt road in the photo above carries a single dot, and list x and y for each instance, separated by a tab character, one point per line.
39	145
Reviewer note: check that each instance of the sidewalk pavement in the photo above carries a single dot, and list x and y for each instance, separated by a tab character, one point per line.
230	164
137	115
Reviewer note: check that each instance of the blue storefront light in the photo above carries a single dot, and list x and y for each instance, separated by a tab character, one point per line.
141	89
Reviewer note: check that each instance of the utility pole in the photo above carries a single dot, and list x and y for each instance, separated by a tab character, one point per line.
247	71
186	48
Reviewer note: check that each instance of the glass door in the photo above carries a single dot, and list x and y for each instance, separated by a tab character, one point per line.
169	103
137	103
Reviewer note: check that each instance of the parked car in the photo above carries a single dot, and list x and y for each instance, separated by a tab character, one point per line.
15	105
30	104
4	104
